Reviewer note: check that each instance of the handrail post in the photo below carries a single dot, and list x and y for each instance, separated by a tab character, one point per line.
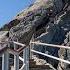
16	62
16	59
26	58
5	61
31	46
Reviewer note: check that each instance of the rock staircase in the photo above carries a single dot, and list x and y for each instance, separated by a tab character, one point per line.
34	66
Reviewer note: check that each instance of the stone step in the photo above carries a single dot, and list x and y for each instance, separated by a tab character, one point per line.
31	63
34	66
39	69
40	66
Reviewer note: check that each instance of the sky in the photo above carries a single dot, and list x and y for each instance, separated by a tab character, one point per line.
10	8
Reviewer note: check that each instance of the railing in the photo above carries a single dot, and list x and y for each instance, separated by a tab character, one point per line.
25	59
50	45
4	52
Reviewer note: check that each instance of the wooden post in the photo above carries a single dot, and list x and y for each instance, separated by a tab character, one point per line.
5	61
16	59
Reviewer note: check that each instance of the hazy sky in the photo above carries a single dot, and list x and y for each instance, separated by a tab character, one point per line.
10	8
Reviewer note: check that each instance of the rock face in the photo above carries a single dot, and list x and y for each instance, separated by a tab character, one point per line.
49	22
43	62
3	36
54	35
58	4
33	20
65	54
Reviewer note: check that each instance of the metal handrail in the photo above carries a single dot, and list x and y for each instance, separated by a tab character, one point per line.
22	67
19	51
21	59
20	44
62	60
15	52
23	63
50	45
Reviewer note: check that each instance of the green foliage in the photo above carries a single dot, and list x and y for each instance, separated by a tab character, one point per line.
8	26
